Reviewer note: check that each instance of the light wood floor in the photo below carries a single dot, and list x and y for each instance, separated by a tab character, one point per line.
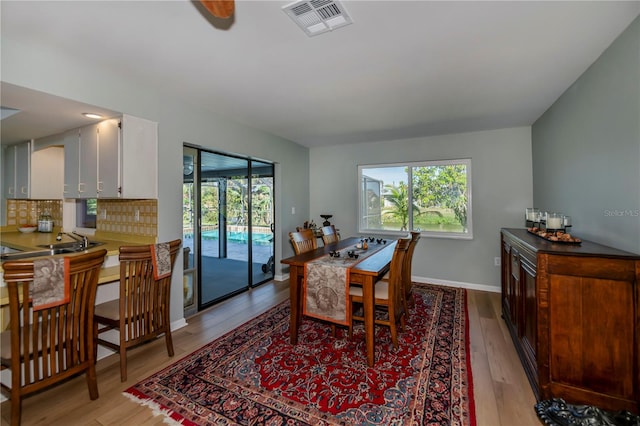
502	393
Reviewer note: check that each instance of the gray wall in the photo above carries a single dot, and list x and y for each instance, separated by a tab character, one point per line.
501	190
39	67
586	149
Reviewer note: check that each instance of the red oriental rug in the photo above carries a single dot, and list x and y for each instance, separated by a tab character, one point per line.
254	376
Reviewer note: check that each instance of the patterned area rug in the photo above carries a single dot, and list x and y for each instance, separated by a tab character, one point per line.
254	376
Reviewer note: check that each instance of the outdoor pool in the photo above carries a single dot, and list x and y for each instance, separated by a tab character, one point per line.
240	237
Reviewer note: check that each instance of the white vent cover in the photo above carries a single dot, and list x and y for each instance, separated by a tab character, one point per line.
318	16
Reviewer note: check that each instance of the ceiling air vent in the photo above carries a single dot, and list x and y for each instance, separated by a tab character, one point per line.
318	16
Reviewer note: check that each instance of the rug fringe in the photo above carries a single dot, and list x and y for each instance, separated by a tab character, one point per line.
156	409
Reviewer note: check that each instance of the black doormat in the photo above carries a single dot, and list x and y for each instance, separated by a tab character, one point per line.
556	412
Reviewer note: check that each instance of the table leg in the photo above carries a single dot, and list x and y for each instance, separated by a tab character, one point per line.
294	296
369	325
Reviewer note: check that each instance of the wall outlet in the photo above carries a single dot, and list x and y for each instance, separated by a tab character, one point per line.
103	214
496	261
137	216
293	210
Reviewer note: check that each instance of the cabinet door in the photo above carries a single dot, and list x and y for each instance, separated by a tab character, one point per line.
9	171
513	291
71	163
528	335
139	158
23	165
88	178
507	296
108	159
47	173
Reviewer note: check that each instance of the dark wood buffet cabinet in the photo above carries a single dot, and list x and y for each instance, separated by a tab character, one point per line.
573	312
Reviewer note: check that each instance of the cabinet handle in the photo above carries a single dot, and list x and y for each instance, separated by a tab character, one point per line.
11	191
100	186
81	187
23	190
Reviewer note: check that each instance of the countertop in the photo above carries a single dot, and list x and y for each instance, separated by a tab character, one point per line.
112	242
585	248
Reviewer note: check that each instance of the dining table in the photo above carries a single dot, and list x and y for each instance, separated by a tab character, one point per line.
364	273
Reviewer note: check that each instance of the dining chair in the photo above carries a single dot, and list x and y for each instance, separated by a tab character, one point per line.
141	313
388	295
303	241
407	298
329	234
50	336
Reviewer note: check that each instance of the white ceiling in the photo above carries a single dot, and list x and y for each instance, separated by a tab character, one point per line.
402	69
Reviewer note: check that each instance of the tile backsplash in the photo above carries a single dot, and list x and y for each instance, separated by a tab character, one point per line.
131	217
27	212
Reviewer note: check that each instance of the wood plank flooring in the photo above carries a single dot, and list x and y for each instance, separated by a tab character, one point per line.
502	393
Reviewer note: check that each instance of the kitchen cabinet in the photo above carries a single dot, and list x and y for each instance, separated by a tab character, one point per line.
116	158
81	162
138	167
47	174
32	174
573	315
16	166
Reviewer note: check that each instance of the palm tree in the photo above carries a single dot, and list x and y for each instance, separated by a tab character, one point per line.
398	200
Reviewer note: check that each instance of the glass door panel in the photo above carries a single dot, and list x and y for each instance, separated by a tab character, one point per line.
189	228
262	222
230	236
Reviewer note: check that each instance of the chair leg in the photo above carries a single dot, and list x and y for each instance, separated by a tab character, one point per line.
392	325
92	381
169	341
16	408
123	362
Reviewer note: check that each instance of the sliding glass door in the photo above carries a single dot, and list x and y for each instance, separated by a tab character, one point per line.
233	240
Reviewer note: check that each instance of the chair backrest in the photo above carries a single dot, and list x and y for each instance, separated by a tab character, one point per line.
144	301
50	344
408	261
303	241
329	234
396	289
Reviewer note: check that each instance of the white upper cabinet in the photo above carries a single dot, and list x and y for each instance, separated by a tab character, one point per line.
116	158
16	161
47	173
138	166
32	173
108	159
71	163
81	162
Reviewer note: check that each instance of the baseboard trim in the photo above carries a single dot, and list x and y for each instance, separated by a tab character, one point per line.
448	283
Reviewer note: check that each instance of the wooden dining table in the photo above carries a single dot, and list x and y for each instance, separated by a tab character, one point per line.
365	273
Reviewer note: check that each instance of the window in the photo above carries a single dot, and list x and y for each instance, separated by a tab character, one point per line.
86	213
433	197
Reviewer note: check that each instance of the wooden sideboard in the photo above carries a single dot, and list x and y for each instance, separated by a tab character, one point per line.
573	312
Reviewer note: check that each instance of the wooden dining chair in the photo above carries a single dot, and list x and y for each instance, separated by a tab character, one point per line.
388	295
141	313
407	297
406	271
50	341
329	235
303	241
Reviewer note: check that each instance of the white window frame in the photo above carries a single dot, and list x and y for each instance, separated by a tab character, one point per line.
425	233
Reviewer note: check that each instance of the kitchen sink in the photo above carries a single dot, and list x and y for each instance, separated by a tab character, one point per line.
49	250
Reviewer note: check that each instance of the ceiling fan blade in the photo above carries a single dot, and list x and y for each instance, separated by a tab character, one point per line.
219	8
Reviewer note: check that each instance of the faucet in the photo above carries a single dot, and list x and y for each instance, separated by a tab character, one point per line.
82	239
